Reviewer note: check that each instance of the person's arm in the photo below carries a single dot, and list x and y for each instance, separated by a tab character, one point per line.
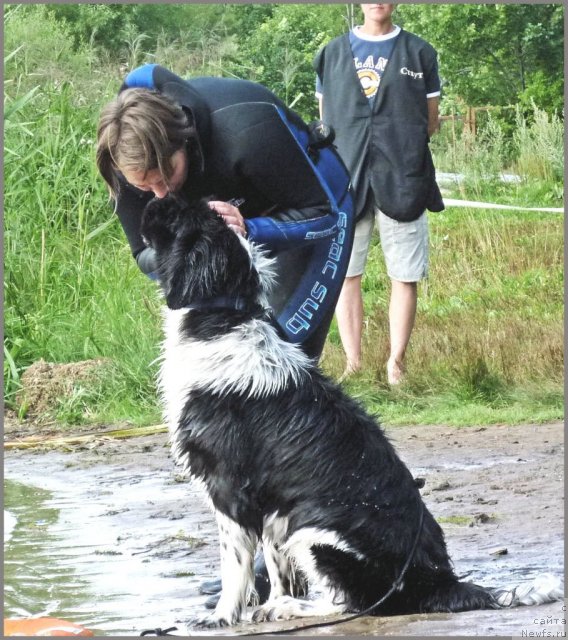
433	90
129	206
274	160
433	115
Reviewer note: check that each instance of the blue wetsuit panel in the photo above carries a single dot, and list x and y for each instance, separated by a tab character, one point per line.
318	289
142	77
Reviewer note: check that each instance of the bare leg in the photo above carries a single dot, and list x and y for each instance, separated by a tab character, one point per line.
402	313
349	313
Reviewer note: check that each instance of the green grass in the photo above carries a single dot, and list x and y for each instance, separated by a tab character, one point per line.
72	290
488	343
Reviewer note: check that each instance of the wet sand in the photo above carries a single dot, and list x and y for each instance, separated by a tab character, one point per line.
129	540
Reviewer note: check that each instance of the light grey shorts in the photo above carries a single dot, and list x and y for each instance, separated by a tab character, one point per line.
404	245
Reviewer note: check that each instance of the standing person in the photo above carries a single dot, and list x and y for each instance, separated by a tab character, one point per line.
379	89
271	177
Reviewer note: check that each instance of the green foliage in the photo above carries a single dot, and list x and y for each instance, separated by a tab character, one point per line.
279	52
533	151
493	54
66	263
488	343
37	46
111	26
539	146
481	158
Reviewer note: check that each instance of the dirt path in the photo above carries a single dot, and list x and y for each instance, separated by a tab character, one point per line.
491	488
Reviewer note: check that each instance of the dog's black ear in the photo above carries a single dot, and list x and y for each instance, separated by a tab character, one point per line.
161	220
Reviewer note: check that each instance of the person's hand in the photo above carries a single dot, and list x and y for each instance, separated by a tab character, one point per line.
231	215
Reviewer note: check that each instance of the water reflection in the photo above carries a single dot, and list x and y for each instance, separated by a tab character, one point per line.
105	547
35	581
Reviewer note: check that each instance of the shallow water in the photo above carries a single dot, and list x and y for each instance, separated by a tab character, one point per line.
101	547
121	548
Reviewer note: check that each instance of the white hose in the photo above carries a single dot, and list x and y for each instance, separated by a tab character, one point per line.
450	202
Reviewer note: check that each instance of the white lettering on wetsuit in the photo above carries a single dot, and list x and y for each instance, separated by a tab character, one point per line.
301	319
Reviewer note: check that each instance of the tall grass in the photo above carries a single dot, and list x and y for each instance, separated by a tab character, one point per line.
480	158
71	288
534	151
488	342
540	146
489	330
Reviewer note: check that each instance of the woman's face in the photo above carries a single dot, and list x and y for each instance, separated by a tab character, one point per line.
154	181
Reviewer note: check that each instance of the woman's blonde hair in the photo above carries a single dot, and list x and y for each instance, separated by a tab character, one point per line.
140	130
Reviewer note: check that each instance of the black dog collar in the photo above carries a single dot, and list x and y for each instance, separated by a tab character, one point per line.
232	303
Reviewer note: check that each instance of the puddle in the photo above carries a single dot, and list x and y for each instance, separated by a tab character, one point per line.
106	548
9	524
469	465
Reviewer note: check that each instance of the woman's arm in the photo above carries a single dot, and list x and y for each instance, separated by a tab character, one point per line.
274	158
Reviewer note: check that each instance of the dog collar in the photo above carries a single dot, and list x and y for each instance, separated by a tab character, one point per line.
233	303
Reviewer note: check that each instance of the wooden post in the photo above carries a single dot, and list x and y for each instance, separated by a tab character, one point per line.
453	127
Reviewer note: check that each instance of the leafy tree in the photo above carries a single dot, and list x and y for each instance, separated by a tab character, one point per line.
495	54
280	50
113	27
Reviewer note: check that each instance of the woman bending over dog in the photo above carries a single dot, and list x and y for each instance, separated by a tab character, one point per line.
268	174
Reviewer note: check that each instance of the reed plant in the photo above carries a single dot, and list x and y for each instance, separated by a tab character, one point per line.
533	154
72	290
540	145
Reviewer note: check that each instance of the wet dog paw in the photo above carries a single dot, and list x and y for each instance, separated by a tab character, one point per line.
210	621
271	612
284	608
263	615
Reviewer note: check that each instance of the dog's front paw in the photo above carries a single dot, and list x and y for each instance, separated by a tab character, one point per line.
285	608
211	621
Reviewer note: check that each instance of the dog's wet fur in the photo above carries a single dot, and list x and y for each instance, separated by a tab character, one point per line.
284	455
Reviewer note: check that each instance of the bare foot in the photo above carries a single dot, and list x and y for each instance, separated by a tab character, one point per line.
350	369
395	372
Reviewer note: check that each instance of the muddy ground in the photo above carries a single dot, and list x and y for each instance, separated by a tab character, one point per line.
498	492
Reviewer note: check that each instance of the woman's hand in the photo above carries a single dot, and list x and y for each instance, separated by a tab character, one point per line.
231	215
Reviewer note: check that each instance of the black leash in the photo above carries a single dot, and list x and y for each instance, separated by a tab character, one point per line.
396	586
158	632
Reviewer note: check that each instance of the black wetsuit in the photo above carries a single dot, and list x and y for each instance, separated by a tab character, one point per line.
254	152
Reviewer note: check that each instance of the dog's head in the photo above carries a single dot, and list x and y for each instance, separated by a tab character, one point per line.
198	256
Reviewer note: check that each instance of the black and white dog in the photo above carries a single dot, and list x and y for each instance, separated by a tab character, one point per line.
285	456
